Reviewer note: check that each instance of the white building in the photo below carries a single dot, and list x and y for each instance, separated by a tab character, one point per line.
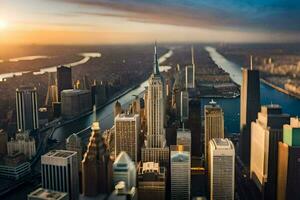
60	172
180	172
221	169
124	170
23	144
127	130
213	124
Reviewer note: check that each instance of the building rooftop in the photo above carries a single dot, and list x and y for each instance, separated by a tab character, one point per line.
42	193
60	153
125	117
71	92
221	143
123	160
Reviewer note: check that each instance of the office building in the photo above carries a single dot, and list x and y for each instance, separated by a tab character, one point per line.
59	171
127	131
94	164
74	143
190	73
266	132
213	124
121	192
151	180
3	142
184	137
194	124
44	194
64	80
155	149
124	170
180	160
14	166
27	109
184	106
288	176
221	169
23	144
249	107
75	103
117	108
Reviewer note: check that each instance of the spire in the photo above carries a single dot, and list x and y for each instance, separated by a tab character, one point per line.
155	62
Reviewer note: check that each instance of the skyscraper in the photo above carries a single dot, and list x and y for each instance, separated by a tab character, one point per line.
190	73
27	109
94	165
74	143
214	124
250	105
151	180
266	132
155	149
60	172
221	169
124	170
184	137
3	142
194	125
64	80
184	106
127	131
117	108
180	172
288	176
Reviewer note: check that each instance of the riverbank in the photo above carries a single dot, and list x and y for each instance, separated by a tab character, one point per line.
282	90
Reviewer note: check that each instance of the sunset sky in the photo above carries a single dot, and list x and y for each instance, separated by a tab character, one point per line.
138	21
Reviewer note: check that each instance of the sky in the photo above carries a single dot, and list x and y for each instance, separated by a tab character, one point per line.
140	21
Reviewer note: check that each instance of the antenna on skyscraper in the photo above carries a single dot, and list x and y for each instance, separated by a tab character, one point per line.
251	63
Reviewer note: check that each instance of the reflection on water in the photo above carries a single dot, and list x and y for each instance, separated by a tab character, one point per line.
27	58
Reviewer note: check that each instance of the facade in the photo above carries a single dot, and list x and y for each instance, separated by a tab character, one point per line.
190	81
266	132
151	180
64	80
221	169
155	149
127	131
180	160
74	143
184	137
124	170
288	176
23	144
94	165
195	126
213	125
27	109
3	142
123	193
75	102
117	108
14	166
44	194
59	169
184	106
250	106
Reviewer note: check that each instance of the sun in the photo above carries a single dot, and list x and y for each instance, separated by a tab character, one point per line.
3	24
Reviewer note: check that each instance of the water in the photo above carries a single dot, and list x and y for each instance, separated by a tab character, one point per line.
268	95
27	58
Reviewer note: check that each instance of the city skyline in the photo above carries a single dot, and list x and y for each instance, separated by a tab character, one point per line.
130	21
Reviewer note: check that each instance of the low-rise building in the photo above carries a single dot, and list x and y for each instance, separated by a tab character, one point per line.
44	194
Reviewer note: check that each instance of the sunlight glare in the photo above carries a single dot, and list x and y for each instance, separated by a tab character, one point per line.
3	24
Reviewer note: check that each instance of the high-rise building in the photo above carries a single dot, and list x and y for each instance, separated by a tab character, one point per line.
64	80
44	194
184	106
250	105
121	192
151	180
184	137
74	143
180	160
60	172
155	149
23	144
117	108
221	169
288	176
190	73
75	102
94	165
124	170
266	132
3	142
194	125
213	125
27	109
127	131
